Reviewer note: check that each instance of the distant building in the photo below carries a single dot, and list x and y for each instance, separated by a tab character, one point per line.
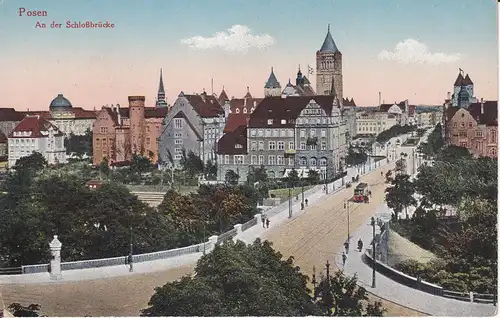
94	184
400	110
374	122
120	132
35	134
194	123
474	128
463	91
3	145
62	114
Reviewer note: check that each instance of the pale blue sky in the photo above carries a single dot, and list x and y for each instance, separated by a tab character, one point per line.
148	33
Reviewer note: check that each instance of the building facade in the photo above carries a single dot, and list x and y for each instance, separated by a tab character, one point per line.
119	132
288	132
474	128
195	123
62	114
374	122
35	134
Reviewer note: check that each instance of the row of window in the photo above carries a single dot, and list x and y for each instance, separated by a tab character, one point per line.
23	141
276	160
284	133
280	145
370	123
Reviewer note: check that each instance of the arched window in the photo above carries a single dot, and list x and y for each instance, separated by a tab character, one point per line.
323	161
237	110
493	152
303	161
244	110
313	162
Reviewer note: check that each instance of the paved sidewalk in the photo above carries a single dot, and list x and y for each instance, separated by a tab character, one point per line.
388	289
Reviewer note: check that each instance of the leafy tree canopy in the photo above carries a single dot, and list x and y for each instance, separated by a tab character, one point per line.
400	194
35	162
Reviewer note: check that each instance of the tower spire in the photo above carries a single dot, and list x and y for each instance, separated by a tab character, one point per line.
328	27
161	100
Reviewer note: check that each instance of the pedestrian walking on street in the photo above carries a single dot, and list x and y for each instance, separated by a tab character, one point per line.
360	245
307	202
346	246
263	218
382	173
344	258
130	261
267	223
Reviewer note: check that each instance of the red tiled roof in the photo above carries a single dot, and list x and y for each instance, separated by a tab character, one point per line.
205	105
288	109
489	117
385	107
34	124
3	138
111	114
236	120
227	144
155	112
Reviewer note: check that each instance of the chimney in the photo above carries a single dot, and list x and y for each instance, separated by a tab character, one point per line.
448	95
379	98
119	115
482	106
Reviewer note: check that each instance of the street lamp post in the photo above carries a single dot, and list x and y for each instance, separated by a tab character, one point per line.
302	184
346	207
314	282
373	253
326	179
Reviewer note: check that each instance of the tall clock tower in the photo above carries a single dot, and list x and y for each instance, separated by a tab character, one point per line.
329	68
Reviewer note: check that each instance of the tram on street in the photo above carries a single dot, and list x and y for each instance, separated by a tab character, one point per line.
361	193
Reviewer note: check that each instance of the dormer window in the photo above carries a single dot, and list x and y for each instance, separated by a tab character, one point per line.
238	146
237	110
244	110
283	121
269	121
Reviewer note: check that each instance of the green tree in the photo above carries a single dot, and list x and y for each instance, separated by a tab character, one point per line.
258	177
313	176
35	162
140	164
232	177
191	163
104	167
453	153
339	295
237	280
400	194
292	179
211	170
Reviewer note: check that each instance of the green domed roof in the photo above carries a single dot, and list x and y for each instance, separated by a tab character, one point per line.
60	102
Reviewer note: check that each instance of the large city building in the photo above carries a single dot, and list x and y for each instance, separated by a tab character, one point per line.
36	134
61	113
194	123
119	132
374	122
470	123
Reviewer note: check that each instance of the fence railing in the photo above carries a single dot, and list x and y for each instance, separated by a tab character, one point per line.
245	226
471	297
11	270
33	269
226	236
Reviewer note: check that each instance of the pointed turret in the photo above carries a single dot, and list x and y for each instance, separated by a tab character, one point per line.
223	97
459	80
467	81
329	44
248	95
161	100
300	79
272	82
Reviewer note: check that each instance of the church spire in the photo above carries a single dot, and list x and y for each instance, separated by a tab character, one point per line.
161	100
329	44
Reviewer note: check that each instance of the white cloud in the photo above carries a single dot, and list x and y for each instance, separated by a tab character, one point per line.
412	51
238	38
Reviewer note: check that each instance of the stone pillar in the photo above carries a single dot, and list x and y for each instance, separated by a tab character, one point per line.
258	216
55	262
213	241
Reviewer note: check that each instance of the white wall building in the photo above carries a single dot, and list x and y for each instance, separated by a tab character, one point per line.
374	122
34	134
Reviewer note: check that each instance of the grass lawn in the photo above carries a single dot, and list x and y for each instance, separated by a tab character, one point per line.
283	193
